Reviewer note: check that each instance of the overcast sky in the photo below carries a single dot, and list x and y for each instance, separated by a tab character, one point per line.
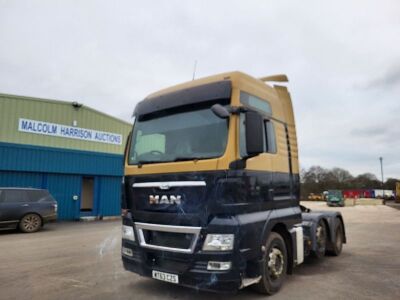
342	59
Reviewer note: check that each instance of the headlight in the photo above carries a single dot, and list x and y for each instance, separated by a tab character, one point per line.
127	233
219	242
219	265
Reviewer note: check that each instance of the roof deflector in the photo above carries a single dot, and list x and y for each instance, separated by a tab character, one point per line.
276	78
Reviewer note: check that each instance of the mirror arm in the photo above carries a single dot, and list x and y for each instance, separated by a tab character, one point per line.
235	110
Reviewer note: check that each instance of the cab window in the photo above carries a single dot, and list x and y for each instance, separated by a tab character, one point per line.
256	103
269	137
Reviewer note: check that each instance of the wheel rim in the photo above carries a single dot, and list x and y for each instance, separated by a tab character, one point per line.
31	222
275	263
321	237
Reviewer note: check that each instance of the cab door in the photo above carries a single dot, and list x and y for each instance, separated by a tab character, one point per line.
282	177
260	168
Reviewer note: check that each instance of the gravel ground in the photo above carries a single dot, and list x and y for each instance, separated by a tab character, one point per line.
82	261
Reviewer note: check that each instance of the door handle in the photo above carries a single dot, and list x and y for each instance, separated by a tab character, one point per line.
25	205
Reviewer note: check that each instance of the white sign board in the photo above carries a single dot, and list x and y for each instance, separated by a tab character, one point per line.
71	132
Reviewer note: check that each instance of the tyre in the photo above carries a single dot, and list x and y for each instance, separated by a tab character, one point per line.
30	223
336	247
275	265
321	237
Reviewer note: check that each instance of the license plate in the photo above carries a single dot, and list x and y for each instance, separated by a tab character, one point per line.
172	278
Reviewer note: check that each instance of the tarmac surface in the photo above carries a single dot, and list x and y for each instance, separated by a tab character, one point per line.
82	261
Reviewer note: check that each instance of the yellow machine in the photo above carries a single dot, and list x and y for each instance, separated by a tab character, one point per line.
315	197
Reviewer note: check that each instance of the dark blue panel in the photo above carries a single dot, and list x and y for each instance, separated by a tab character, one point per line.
63	188
109	193
21	179
17	157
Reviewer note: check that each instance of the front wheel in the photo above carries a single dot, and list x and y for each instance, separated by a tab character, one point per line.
30	223
275	265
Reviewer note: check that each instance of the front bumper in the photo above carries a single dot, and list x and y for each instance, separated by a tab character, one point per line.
191	268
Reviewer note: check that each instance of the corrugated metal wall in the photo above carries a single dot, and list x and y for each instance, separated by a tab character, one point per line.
62	172
14	107
107	195
59	164
21	179
110	196
43	159
63	188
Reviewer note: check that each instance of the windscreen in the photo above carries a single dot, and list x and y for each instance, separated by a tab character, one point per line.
196	134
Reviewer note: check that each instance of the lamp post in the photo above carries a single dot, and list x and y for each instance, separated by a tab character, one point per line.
381	161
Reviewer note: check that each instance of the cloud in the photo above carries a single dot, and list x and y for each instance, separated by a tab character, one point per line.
110	55
389	79
370	132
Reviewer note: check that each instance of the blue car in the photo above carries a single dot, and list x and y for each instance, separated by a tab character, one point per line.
26	209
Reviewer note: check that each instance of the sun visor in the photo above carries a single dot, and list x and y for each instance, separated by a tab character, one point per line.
195	95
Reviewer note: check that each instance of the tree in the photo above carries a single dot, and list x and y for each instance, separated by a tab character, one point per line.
390	184
366	181
341	175
318	179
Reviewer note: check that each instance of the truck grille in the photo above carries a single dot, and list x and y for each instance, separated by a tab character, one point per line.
168	239
181	239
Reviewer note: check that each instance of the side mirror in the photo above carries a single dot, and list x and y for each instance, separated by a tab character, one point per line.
254	128
220	111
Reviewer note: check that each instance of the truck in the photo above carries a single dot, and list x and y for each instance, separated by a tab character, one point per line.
335	198
384	194
212	191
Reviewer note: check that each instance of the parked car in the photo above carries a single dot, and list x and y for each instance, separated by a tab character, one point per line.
25	208
335	198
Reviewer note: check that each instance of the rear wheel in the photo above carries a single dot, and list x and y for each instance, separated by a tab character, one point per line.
320	236
30	223
275	265
337	245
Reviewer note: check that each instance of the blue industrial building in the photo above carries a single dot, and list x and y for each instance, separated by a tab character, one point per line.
83	174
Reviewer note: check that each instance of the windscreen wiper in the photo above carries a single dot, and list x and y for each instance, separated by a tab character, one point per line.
183	158
145	162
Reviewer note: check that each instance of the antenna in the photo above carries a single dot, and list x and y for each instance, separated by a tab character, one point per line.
194	69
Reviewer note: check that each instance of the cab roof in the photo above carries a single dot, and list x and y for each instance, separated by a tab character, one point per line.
236	77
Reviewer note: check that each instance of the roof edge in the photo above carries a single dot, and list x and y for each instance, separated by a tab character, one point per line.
64	102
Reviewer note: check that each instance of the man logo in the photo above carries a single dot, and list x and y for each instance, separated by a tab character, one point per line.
164	199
